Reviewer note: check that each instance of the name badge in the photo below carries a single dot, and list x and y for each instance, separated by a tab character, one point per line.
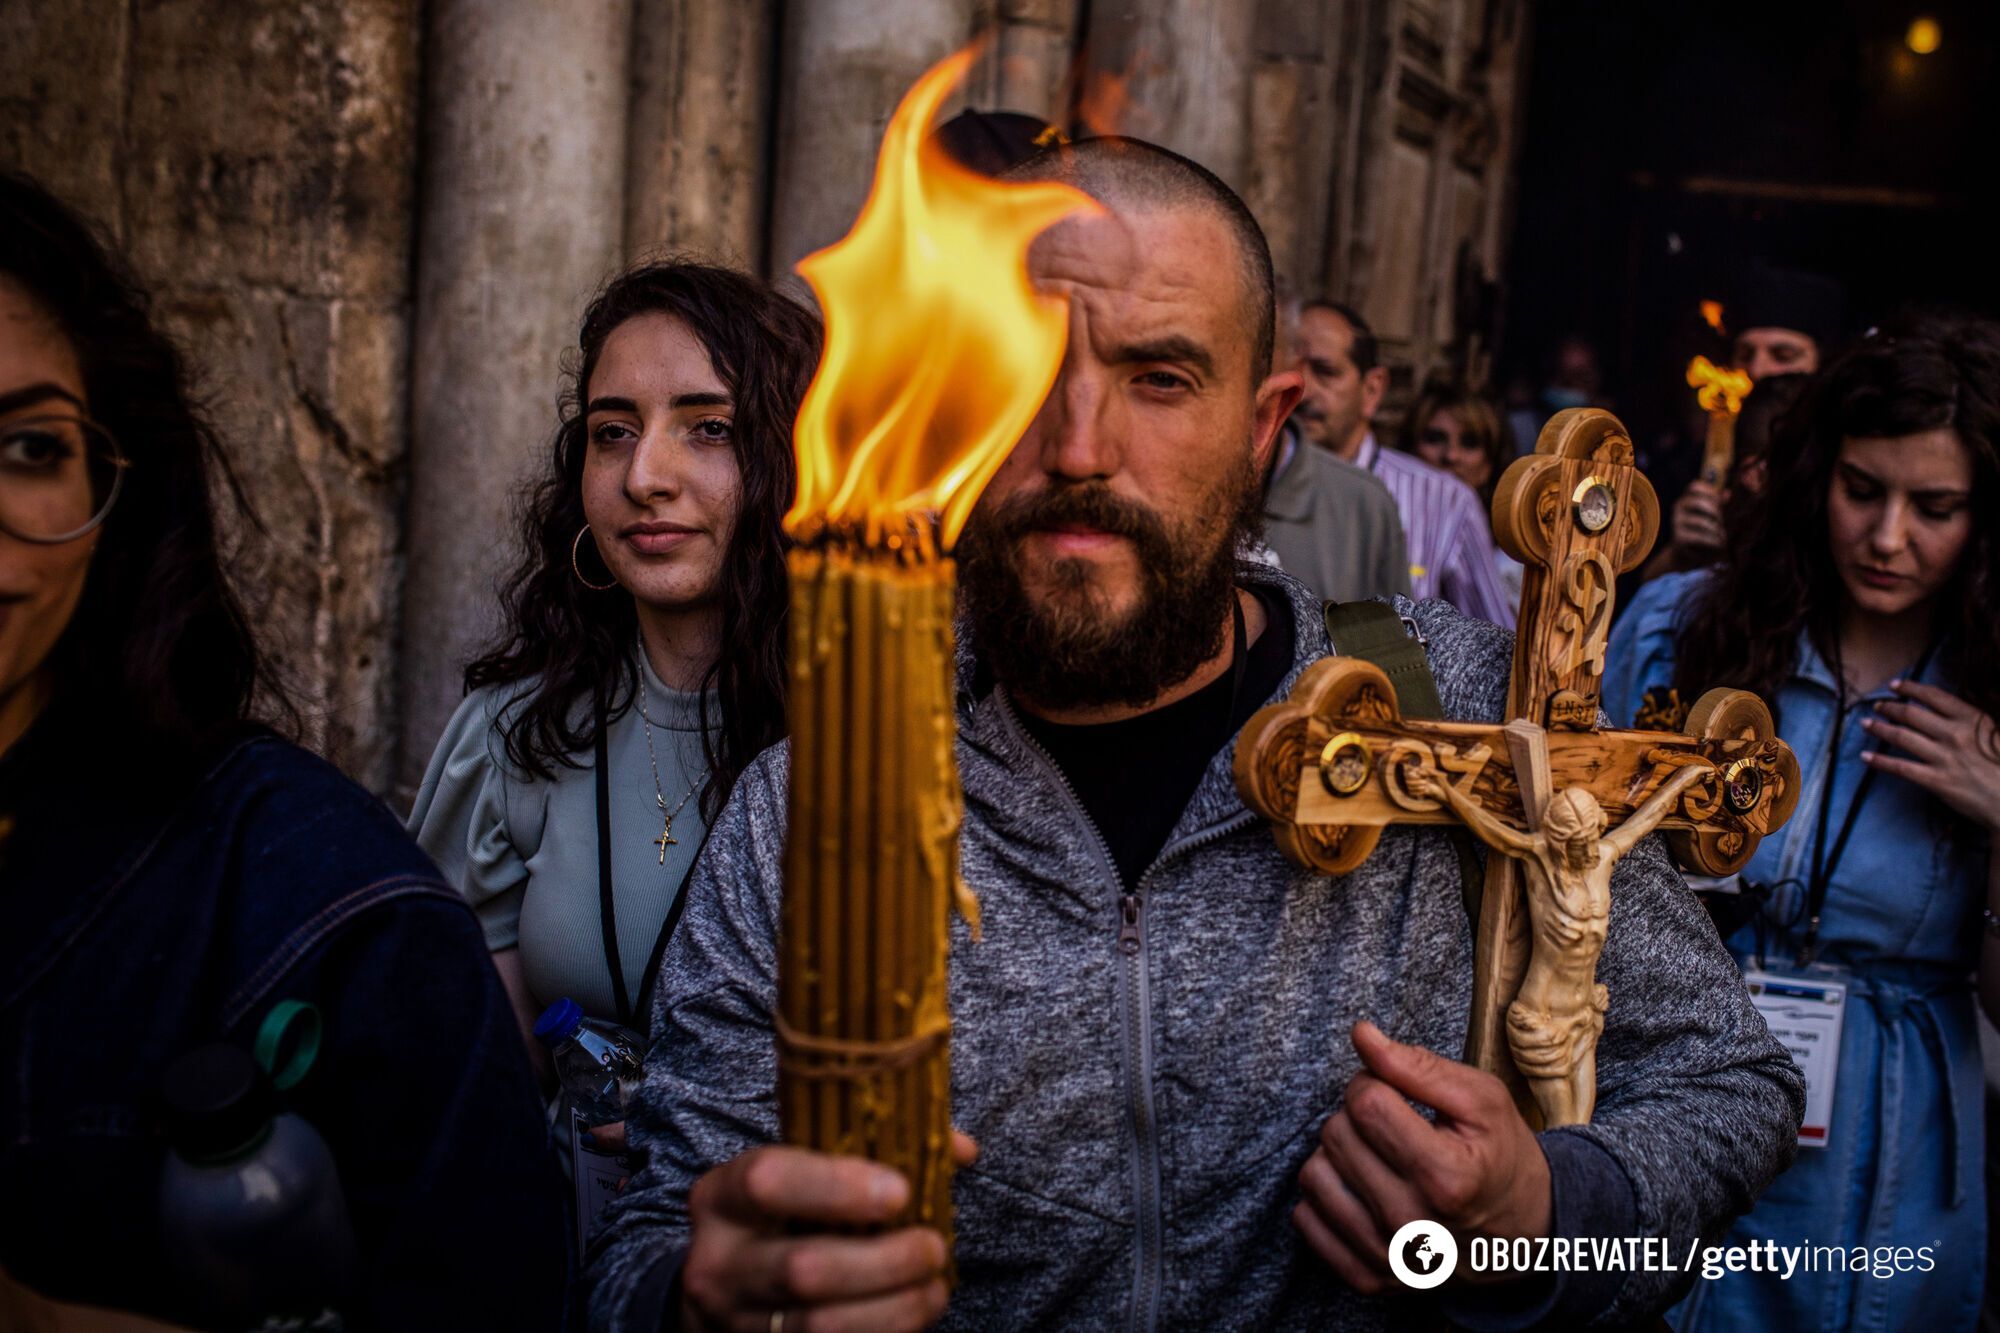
1804	1014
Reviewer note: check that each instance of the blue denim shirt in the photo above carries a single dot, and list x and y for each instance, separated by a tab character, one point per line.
154	905
1904	890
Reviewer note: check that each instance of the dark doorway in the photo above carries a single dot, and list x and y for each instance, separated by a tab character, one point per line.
1666	144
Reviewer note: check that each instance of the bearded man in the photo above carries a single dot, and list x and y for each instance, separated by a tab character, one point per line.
1188	1064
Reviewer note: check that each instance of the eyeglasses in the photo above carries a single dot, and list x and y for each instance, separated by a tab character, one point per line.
59	477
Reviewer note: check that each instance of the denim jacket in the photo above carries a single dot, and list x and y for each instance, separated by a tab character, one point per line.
154	904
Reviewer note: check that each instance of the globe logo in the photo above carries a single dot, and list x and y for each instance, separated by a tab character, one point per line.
1422	1254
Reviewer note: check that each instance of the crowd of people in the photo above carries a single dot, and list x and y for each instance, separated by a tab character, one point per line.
1184	1067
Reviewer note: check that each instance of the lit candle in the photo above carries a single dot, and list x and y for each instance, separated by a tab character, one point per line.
938	353
1720	393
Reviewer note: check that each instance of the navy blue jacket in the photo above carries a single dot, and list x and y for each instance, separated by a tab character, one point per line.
150	904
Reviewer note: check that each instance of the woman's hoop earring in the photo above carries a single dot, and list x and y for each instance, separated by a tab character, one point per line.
577	568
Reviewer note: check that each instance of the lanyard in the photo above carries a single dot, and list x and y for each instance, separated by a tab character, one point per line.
1825	861
607	909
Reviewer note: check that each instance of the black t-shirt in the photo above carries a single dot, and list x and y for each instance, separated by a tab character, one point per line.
1135	777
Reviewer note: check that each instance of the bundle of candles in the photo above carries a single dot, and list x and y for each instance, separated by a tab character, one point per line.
871	859
938	354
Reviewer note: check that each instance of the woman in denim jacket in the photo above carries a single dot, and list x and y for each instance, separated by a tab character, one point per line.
171	872
1861	598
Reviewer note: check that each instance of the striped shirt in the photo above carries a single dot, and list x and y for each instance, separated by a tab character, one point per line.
1451	544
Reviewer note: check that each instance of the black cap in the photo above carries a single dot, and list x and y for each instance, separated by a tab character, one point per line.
990	142
1785	298
218	1103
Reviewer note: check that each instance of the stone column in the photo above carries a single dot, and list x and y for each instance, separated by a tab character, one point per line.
1033	59
845	65
1186	66
698	127
523	218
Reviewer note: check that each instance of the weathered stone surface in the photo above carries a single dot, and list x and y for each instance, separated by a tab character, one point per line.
698	127
1033	63
845	66
524	217
62	98
1287	196
1186	66
257	160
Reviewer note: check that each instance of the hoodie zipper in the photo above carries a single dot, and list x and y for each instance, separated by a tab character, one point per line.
1137	1023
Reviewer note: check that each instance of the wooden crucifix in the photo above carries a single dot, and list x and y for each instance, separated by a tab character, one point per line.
1557	798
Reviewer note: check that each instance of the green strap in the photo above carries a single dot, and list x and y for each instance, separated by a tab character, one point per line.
1373	632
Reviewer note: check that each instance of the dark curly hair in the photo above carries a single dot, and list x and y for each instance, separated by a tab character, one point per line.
576	644
1742	628
159	639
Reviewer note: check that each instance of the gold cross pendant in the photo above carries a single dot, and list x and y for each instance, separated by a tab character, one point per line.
666	840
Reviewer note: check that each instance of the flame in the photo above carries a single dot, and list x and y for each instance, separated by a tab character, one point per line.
1719	390
939	351
1711	314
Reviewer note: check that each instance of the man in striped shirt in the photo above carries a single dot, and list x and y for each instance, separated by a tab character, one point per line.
1450	540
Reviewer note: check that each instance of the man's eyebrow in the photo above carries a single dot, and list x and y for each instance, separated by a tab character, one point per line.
35	393
1173	347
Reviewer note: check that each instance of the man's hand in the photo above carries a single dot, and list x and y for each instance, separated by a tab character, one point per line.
1478	1170
765	1237
1697	518
607	1138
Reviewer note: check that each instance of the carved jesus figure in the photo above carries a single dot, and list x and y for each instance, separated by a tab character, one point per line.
1554	1022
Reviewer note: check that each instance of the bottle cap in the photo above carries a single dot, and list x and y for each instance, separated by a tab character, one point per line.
219	1104
558	1021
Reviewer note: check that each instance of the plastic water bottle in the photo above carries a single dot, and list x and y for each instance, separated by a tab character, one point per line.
597	1062
252	1215
598	1065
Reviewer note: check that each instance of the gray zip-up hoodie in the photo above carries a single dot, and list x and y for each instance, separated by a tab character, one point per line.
1145	1078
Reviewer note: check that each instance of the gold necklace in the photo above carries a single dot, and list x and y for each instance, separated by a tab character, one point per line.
666	838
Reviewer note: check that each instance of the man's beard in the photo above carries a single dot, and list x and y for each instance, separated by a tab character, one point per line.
1068	650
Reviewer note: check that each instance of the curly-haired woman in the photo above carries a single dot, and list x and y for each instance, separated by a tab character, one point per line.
1860	595
642	666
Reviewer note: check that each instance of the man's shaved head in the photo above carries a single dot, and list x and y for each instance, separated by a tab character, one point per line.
1123	173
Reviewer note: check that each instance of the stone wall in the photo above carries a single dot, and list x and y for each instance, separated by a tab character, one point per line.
376	222
257	162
